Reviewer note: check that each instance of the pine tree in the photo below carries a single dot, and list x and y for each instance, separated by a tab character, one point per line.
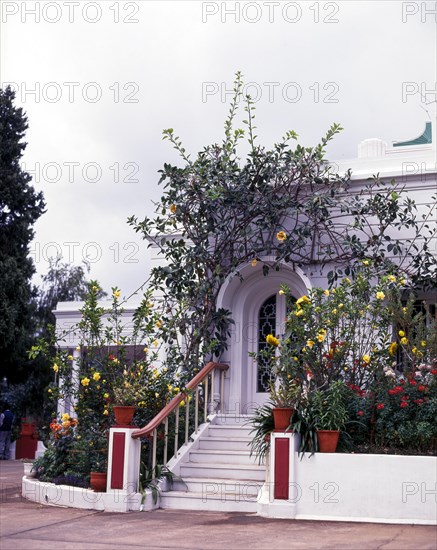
20	208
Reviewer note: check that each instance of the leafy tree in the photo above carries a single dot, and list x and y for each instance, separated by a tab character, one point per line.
286	204
21	206
63	282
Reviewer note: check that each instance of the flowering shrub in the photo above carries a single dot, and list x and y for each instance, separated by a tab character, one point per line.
363	334
115	367
337	334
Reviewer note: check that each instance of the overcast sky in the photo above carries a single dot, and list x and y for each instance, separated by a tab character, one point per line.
101	80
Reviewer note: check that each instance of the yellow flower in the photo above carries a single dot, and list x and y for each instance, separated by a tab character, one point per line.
281	236
156	394
299	312
85	382
155	343
77	348
106	395
106	412
320	337
95	288
70	358
158	324
96	376
170	388
380	295
272	340
295	359
334	311
391	278
55	367
66	424
310	343
347	280
414	350
366	359
254	262
173	208
404	341
392	348
423	343
49	390
401	333
326	292
182	403
116	294
303	300
281	292
65	417
146	350
403	281
340	306
404	310
366	262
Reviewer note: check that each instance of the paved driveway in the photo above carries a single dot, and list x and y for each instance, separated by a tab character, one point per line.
28	526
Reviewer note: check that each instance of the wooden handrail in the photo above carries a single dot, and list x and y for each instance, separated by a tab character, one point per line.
174	403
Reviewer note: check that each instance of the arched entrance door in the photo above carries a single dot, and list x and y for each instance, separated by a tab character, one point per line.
257	309
270	319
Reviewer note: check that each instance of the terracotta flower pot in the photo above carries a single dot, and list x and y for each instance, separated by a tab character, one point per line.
282	417
28	428
98	481
124	415
328	440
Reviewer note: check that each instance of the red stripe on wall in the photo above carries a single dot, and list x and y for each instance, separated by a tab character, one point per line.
282	463
118	443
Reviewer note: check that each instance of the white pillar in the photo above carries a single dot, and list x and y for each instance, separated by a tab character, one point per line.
124	455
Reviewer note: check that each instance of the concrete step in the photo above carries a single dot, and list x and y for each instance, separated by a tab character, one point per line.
222	457
225	430
246	488
223	471
235	419
226	502
222	443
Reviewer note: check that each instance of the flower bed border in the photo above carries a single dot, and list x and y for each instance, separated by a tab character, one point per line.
86	499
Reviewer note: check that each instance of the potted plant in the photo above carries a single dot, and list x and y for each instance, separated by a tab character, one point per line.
98	461
128	390
263	424
331	415
285	397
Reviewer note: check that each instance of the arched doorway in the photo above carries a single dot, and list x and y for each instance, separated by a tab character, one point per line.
256	306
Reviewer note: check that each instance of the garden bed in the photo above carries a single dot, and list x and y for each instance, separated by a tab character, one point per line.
87	499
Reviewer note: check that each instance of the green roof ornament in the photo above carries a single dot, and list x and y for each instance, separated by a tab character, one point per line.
424	138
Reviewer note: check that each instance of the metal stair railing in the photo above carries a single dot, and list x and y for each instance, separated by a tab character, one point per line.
205	377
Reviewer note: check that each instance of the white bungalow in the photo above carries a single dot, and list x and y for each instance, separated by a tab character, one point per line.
214	462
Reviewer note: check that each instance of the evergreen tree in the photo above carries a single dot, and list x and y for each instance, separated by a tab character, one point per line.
20	208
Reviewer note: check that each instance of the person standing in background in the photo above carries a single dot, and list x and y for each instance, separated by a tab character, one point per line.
6	421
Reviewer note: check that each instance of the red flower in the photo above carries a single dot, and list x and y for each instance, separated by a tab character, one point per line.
422	388
418	401
434	371
380	406
403	404
111	357
360	413
392	392
404	397
413	383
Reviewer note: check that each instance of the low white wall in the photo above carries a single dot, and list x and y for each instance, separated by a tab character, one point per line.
76	497
353	487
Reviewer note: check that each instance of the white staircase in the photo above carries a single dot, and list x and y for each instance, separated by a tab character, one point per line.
217	471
